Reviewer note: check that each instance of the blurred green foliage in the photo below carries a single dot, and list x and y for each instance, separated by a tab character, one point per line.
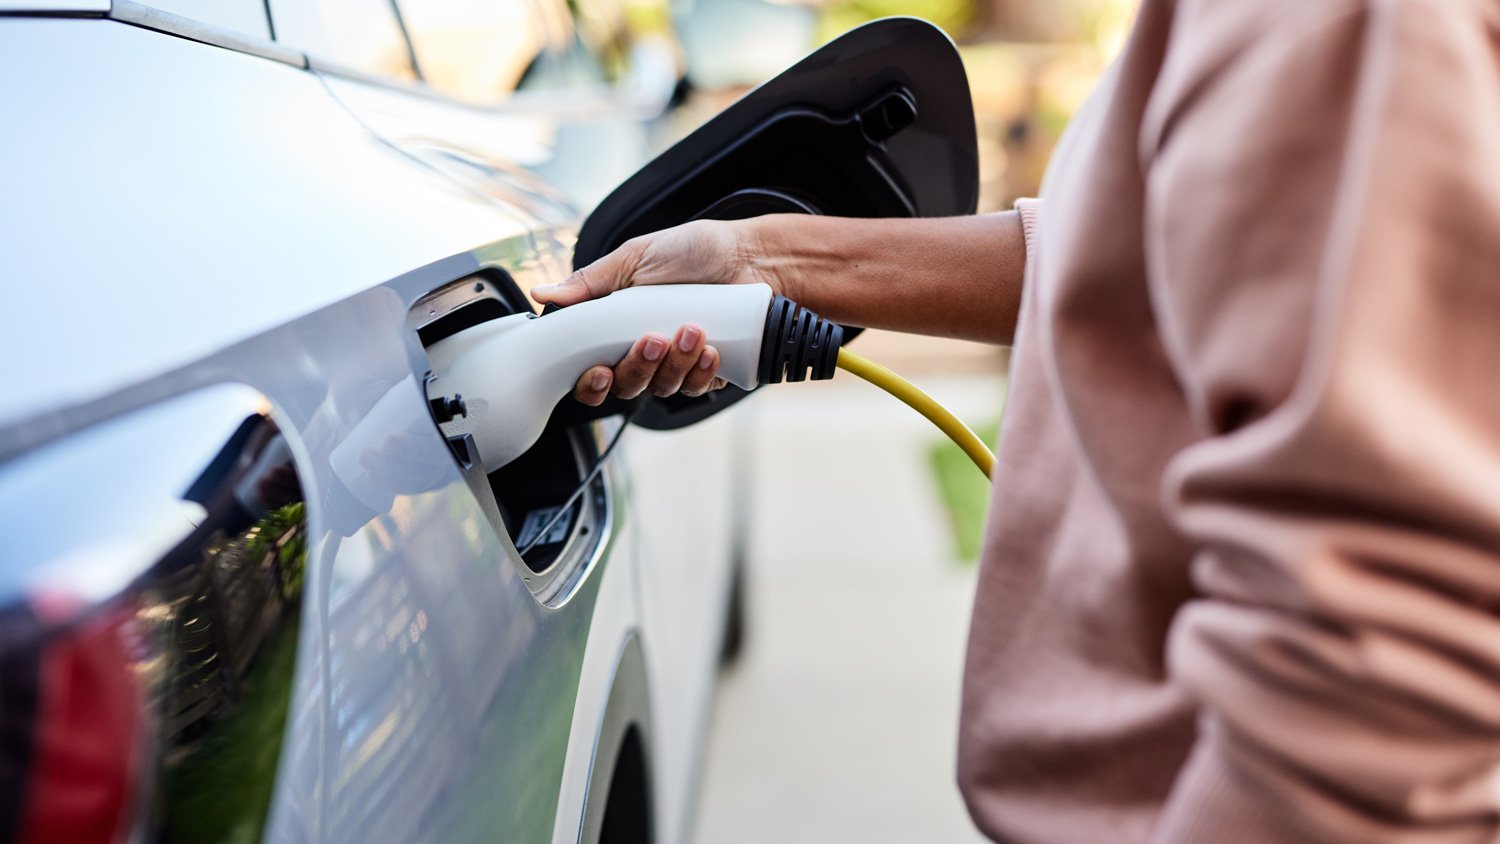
838	17
965	492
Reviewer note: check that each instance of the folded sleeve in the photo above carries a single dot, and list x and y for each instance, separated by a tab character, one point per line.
1323	243
1030	211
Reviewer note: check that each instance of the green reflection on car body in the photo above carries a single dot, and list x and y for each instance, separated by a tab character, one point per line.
219	775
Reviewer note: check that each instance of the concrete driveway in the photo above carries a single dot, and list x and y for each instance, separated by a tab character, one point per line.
839	723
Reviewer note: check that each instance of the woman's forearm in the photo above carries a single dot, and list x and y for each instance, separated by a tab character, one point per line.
948	276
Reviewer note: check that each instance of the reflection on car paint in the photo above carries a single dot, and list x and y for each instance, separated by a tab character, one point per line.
154	708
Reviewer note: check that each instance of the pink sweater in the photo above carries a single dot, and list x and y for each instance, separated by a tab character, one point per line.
1242	577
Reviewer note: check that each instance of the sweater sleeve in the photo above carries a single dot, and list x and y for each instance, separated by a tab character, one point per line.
1323	240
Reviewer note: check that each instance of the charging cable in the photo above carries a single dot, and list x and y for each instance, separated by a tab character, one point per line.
798	344
583	485
962	435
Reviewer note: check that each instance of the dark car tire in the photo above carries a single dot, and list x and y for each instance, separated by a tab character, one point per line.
732	646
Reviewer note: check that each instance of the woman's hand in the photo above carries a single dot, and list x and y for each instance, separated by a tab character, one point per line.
700	252
684	363
945	276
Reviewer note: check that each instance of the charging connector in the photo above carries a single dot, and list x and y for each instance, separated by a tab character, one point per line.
798	344
512	371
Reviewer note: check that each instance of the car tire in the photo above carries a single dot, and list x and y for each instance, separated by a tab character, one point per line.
732	645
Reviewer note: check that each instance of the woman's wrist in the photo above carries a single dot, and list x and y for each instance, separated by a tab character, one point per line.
774	249
950	276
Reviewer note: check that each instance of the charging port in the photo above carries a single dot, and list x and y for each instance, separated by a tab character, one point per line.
522	499
532	489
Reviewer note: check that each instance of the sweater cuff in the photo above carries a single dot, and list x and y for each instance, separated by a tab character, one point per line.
1031	221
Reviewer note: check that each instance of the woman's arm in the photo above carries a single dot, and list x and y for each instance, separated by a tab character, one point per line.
951	276
948	276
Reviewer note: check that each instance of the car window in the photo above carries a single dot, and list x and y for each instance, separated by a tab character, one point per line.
361	35
485	50
479	50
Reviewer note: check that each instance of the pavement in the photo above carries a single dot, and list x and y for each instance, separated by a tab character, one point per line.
839	723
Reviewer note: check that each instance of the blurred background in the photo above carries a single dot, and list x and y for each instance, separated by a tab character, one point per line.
839	720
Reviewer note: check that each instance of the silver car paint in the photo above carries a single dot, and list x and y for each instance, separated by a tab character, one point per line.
97	7
214	217
201	198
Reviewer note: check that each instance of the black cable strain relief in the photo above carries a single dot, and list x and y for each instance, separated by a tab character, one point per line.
797	344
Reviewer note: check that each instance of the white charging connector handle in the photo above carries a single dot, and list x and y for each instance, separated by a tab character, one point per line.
512	371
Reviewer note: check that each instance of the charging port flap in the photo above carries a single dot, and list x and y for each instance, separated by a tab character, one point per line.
876	123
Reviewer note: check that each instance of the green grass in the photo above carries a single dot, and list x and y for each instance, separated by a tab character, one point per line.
965	492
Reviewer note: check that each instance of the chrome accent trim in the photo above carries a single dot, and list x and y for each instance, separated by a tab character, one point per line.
146	17
555	587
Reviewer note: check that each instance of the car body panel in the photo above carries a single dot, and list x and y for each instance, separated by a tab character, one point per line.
55	7
270	200
429	680
684	591
169	598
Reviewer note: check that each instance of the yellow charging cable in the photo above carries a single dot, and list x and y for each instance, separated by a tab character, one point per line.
922	403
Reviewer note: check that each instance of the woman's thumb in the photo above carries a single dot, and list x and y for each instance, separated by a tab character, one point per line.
597	279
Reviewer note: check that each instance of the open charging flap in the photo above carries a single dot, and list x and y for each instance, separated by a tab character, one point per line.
877	123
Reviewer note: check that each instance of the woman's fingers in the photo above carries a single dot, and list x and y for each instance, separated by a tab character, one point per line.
687	346
699	252
700	379
684	363
633	374
600	278
593	385
576	288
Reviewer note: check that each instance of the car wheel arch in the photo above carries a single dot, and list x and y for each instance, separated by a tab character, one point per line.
619	807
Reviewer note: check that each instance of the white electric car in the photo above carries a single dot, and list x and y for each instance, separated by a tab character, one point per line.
249	591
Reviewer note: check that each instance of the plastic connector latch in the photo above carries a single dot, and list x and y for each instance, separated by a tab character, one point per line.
798	344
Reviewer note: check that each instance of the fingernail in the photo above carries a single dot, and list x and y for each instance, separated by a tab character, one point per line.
706	360
655	348
689	338
600	380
